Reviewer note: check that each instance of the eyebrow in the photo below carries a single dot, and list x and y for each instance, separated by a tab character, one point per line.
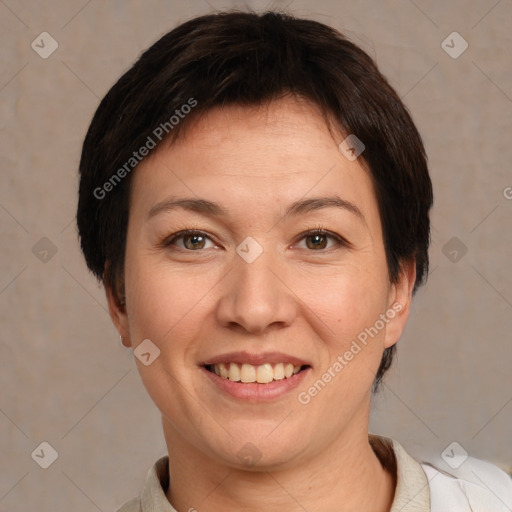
214	209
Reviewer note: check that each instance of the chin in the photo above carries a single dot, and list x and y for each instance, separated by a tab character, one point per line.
259	449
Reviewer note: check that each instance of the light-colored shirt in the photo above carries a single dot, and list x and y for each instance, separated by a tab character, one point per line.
477	486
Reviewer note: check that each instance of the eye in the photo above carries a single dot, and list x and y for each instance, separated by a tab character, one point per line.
192	240
319	238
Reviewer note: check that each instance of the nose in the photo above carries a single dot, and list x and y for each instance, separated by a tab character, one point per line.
255	297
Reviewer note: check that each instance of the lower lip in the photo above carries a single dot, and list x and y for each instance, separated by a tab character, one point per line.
255	392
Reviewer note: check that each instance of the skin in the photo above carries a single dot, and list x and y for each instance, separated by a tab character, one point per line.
295	298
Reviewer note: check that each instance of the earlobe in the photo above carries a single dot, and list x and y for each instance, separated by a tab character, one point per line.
118	315
399	304
124	341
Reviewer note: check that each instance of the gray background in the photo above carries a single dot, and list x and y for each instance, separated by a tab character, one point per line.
64	376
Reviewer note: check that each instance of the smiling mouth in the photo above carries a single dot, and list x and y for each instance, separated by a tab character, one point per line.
262	374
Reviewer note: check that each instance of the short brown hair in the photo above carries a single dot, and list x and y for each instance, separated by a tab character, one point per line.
248	59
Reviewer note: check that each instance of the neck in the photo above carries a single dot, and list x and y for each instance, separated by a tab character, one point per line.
348	477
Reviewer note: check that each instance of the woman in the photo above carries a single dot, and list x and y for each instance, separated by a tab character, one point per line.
254	197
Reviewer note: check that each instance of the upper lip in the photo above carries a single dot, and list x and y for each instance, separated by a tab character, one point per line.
255	359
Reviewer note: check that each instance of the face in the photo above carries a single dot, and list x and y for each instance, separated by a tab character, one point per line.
255	264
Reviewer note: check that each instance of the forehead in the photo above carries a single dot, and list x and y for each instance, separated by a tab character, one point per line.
246	156
279	127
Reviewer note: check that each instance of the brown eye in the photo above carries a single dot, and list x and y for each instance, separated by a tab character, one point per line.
189	240
318	241
193	242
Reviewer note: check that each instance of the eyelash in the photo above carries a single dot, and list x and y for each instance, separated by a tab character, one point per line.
318	230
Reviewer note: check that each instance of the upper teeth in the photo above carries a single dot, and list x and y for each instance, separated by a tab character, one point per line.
262	374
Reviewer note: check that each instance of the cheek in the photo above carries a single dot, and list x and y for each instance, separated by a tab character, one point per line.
347	299
169	304
351	307
166	306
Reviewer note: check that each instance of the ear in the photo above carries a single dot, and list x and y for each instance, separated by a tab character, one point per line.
399	302
118	314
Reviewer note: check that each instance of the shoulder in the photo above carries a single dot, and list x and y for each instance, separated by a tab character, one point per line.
476	486
468	485
153	496
131	506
